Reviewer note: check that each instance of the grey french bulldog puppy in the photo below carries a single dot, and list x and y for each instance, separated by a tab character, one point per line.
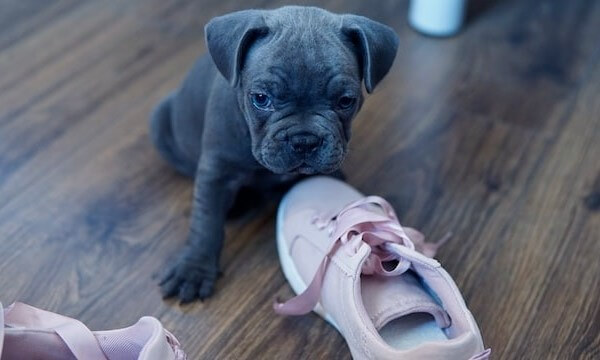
272	102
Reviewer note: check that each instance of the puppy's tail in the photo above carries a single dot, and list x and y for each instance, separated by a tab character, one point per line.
161	133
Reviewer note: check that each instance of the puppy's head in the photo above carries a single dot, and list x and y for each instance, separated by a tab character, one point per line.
298	72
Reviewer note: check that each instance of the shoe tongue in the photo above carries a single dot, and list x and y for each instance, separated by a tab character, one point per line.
386	298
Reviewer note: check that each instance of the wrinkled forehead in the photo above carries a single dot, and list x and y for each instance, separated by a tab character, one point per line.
302	61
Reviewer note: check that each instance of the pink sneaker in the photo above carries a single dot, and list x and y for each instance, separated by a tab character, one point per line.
30	333
370	277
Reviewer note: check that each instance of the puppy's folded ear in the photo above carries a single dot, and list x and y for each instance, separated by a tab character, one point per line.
229	37
376	45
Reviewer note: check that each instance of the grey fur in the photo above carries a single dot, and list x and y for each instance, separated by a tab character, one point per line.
305	59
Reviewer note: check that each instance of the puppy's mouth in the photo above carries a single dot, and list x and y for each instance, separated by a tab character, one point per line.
304	169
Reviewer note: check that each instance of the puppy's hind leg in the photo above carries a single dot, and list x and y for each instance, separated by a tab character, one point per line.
161	133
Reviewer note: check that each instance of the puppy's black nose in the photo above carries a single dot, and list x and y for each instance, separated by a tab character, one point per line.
305	142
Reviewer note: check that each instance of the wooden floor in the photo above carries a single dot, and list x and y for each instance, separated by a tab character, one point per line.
493	134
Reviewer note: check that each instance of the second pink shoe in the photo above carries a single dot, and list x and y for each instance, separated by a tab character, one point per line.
30	333
351	261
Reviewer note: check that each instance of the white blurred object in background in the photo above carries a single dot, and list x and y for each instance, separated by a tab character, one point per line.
437	17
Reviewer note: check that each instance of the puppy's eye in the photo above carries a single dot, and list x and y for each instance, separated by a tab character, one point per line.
346	102
261	101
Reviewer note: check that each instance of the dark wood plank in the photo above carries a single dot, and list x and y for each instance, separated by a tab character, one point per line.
493	134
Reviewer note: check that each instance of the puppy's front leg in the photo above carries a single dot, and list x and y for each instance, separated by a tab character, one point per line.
195	271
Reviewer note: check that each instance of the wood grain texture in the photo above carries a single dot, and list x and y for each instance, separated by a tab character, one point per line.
493	134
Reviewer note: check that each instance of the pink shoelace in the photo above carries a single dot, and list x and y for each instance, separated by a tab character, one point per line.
355	224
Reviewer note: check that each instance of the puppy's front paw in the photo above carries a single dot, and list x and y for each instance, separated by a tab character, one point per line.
189	278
